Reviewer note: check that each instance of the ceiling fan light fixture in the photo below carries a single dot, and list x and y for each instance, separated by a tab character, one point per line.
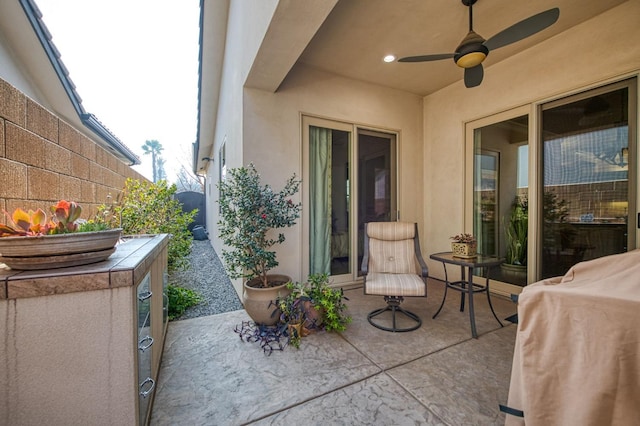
471	59
471	52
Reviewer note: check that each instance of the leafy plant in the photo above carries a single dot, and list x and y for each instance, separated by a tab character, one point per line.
292	317
463	238
150	208
248	212
291	308
180	299
516	232
327	300
330	301
92	226
64	215
22	223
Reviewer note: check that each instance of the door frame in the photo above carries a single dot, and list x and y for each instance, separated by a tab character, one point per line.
497	287
351	279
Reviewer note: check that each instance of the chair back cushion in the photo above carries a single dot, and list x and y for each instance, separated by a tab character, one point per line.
391	247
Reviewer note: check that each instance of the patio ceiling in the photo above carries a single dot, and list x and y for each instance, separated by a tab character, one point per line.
350	38
357	34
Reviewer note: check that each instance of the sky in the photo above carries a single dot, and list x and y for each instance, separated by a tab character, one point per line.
135	65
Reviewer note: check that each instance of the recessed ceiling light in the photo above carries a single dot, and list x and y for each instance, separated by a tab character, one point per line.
389	58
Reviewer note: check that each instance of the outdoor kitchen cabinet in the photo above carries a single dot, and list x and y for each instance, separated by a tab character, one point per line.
78	345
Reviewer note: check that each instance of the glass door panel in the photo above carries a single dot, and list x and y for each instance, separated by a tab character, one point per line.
376	181
586	191
329	190
500	194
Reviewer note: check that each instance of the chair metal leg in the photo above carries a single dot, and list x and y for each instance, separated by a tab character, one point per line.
393	305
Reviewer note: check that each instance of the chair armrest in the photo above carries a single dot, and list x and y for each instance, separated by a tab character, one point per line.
365	257
365	263
423	266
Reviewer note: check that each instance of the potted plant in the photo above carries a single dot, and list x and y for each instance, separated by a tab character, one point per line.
464	246
292	316
516	239
250	212
329	304
312	305
32	240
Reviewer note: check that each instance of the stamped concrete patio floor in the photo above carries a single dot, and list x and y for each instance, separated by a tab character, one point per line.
434	375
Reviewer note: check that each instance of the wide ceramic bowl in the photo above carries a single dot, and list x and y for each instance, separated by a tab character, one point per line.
60	250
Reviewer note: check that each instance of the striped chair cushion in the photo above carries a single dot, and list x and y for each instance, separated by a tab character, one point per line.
391	231
395	285
391	247
393	257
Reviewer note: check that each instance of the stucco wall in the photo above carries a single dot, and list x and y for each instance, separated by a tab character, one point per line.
592	53
44	159
265	127
272	135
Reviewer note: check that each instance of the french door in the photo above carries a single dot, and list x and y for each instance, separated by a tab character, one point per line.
349	180
568	196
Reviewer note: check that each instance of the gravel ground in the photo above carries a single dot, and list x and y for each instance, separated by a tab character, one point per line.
207	277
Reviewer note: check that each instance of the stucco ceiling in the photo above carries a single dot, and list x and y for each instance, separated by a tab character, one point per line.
357	34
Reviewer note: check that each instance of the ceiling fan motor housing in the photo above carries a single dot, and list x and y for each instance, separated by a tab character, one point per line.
471	52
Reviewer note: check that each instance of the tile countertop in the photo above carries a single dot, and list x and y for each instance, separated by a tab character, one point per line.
125	267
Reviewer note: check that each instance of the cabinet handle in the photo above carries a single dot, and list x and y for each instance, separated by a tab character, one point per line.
141	343
152	385
144	296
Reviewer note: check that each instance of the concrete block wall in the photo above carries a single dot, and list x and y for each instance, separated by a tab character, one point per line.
44	159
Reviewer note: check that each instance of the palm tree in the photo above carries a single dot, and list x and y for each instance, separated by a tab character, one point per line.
154	148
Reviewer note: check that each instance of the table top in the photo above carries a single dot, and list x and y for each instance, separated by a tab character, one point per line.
475	262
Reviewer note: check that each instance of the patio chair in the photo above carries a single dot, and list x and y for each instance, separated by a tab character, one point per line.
393	267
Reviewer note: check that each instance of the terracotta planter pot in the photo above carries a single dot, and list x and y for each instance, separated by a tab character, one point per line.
313	316
257	301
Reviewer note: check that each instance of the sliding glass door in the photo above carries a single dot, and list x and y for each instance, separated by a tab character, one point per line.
587	161
569	196
347	185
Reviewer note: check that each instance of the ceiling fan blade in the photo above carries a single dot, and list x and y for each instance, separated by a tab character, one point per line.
523	29
425	58
473	76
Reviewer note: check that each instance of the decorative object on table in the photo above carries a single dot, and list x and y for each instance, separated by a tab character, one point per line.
464	246
249	212
514	267
32	241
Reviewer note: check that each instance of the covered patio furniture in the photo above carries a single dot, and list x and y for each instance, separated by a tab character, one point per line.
577	353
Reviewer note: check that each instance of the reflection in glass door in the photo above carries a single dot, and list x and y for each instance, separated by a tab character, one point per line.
586	173
500	194
376	181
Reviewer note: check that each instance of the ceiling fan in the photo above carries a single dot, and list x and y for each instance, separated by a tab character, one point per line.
473	49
